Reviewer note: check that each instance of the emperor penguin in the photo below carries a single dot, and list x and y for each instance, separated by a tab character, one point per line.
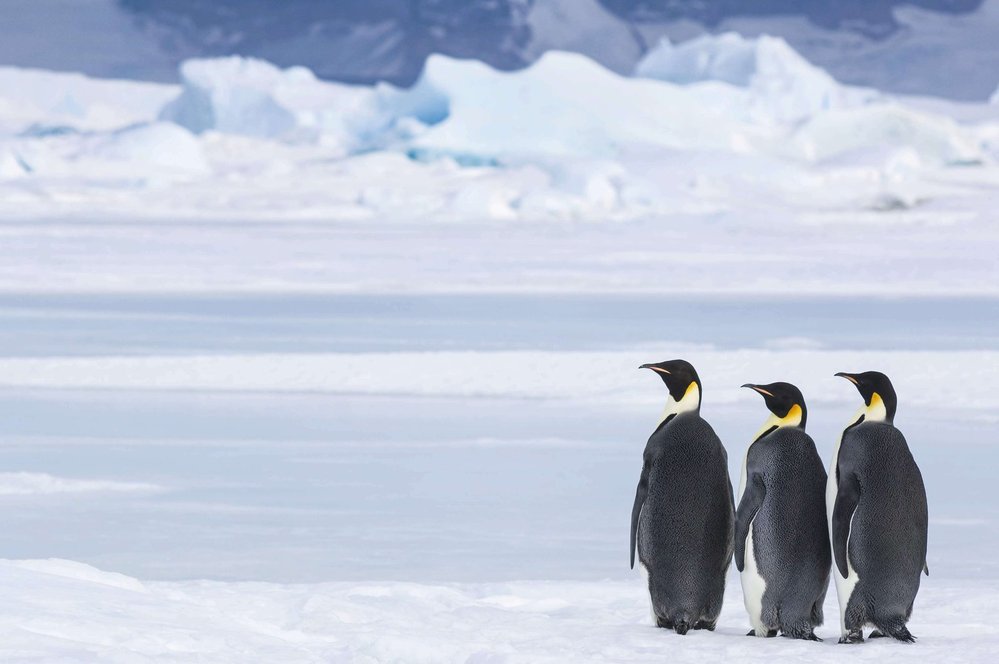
781	542
877	517
682	520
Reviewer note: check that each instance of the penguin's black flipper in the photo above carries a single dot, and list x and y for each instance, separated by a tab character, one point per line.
847	498
636	511
752	500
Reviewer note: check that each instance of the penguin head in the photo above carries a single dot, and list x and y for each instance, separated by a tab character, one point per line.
878	393
682	382
785	401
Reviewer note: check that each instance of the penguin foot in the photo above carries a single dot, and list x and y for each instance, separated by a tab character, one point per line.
853	636
802	636
769	635
662	622
681	628
704	624
897	631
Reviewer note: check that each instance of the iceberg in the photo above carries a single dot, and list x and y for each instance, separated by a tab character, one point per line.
564	104
781	86
251	97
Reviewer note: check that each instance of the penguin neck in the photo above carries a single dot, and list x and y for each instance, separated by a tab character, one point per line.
875	411
690	402
794	418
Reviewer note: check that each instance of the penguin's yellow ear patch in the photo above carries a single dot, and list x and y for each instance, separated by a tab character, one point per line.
793	417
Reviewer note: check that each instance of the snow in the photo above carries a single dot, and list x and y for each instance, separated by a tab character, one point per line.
23	484
565	139
492	114
781	85
512	374
35	100
296	501
251	97
261	330
99	616
157	146
711	126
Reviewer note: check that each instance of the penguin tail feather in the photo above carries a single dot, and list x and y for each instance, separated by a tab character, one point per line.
681	627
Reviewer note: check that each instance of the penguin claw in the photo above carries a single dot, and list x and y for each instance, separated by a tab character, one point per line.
853	637
770	634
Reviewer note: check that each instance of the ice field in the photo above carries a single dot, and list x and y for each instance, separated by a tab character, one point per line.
294	371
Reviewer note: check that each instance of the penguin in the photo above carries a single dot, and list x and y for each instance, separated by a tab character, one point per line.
781	541
878	517
684	511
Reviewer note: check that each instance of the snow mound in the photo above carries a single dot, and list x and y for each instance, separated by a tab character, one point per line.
252	97
44	101
70	569
781	84
933	138
159	146
564	104
25	484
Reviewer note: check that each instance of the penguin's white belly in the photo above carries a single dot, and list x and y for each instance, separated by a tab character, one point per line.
753	587
844	587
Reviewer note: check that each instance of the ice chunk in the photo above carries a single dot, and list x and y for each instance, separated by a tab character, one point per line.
564	104
252	97
159	146
933	138
781	85
44	98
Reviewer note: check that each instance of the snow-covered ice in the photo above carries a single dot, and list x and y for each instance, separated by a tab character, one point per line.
108	617
298	371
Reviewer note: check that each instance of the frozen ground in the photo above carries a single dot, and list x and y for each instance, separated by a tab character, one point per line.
109	617
429	478
333	390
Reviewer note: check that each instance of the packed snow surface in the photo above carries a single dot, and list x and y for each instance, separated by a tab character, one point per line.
250	440
65	611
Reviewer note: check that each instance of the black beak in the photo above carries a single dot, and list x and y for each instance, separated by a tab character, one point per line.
749	385
849	377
